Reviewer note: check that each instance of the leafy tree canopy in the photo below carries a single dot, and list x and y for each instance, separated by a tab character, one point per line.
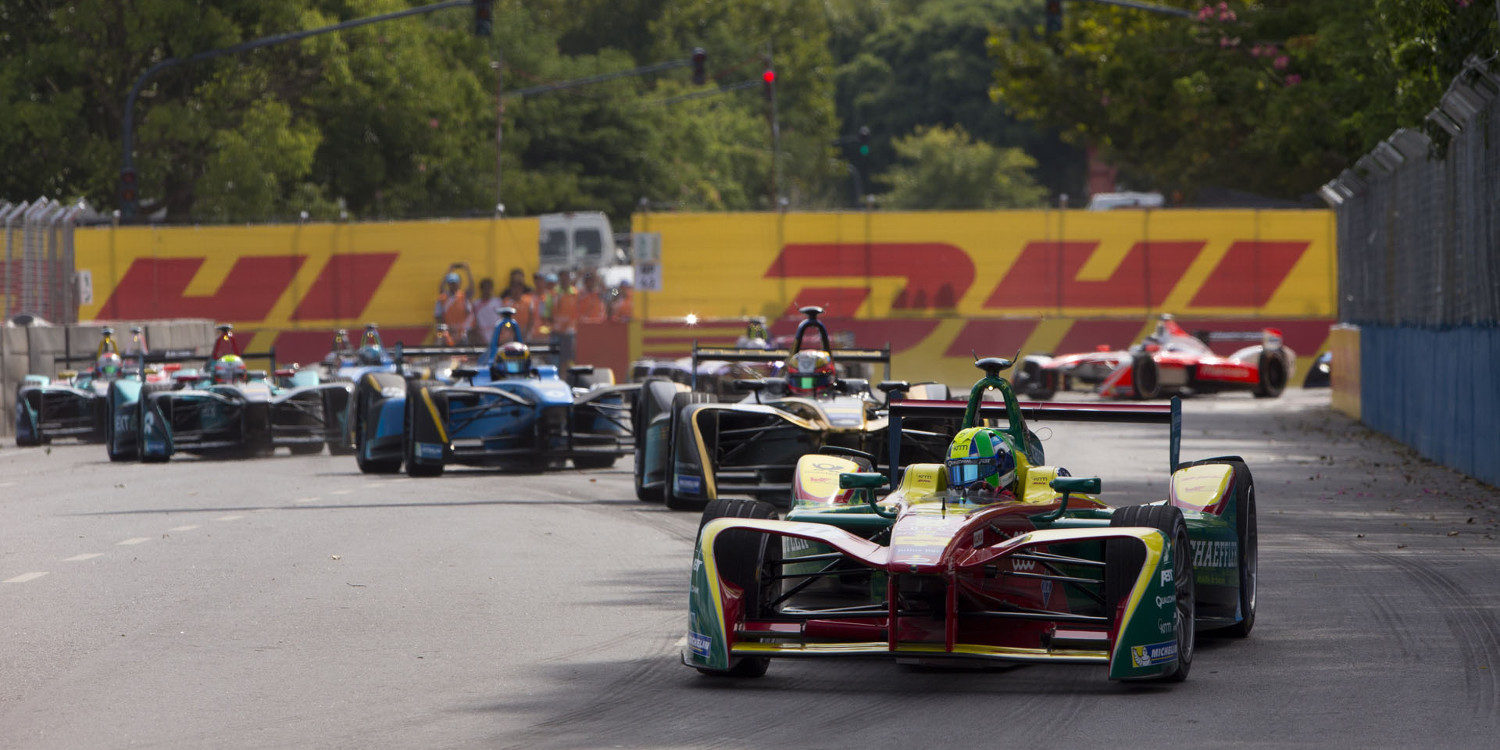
945	168
1273	97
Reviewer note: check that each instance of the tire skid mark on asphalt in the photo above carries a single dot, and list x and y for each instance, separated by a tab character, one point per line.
186	527
1474	627
617	703
84	556
229	518
1405	633
24	577
133	541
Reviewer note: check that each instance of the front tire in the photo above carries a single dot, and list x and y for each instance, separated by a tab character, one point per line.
1123	559
746	559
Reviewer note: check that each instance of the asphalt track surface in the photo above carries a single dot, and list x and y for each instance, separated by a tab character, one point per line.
293	602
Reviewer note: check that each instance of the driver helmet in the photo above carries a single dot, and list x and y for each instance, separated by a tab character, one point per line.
980	458
810	372
370	355
108	365
229	369
514	359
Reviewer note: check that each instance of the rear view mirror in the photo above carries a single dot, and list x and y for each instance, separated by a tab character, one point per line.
861	480
1082	485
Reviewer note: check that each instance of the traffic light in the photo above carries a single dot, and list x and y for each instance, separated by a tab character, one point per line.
1054	16
129	193
769	78
700	73
484	17
864	140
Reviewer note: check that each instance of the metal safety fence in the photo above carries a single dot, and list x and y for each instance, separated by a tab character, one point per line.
37	273
1419	234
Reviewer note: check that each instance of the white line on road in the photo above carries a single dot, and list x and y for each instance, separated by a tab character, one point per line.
24	577
228	518
188	527
84	556
133	540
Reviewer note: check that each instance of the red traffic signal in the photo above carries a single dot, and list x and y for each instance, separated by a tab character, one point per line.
484	17
128	187
700	73
769	77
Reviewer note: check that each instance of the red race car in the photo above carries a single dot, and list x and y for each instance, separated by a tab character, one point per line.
1169	361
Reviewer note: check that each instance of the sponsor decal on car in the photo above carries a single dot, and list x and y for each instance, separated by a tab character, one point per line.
156	446
1153	654
431	451
699	643
688	484
1046	594
1215	554
1166	576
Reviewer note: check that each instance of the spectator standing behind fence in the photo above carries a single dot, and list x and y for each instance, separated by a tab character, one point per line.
622	306
519	296
562	310
486	312
591	305
541	308
453	308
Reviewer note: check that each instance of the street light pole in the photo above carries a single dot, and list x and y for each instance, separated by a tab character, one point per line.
499	66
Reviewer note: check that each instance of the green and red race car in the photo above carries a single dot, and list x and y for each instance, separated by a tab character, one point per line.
1020	564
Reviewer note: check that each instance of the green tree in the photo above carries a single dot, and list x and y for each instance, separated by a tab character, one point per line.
739	36
1273	97
943	168
926	63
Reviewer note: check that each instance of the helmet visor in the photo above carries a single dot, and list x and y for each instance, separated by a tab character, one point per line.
963	472
514	366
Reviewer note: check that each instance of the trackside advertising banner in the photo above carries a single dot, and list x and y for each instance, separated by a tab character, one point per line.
936	286
941	286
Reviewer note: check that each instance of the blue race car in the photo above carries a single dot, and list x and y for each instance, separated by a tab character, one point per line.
505	413
224	409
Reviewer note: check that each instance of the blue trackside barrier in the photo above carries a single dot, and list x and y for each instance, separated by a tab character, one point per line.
1437	390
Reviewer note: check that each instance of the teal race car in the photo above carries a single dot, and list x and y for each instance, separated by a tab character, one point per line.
1033	568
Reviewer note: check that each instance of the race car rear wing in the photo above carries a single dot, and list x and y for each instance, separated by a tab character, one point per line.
1168	414
161	356
737	354
1269	337
403	352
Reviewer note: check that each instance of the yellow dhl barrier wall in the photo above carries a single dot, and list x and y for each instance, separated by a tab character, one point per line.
291	285
940	286
935	286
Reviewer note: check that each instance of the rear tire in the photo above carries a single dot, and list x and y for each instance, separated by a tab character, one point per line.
593	462
1273	376
366	394
420	429
742	558
675	501
1146	376
1249	544
1123	560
